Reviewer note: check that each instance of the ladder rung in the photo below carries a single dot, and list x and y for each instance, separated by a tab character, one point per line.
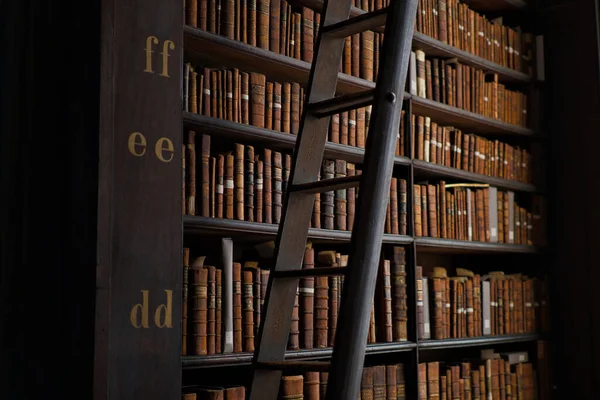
340	104
304	273
327	185
358	24
295	366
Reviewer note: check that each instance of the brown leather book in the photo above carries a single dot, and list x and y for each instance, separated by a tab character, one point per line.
307	301
399	295
249	183
248	311
351	200
307	34
424	211
267	188
366	384
257	99
258	189
263	23
432	210
391	386
274	33
311	386
192	92
228	103
220	184
199	308
212	308
360	128
229	186
420	302
394	206
251	22
417	210
340	197
190	170
379	387
218	311
422	381
323	376
403	208
239	181
293	339
384	296
191	13
188	396
352	127
286	104
292	387
269	105
203	14
204	204
277	170
321	311
283	28
295	108
213	186
327	198
184	300
235	393
236	95
237	308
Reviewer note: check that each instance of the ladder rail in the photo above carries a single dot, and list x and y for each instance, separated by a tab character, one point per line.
289	248
359	285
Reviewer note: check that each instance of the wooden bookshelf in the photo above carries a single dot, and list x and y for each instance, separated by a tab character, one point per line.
476	342
449	246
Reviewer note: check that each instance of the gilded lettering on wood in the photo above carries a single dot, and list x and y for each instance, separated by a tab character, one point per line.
163	315
137	144
150	40
167	45
164	149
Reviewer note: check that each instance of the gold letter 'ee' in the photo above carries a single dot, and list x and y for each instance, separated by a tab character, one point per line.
150	40
165	57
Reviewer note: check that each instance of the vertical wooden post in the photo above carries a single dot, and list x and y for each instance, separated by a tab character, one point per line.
138	334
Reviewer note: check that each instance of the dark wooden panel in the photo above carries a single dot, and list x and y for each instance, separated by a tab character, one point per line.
138	343
573	101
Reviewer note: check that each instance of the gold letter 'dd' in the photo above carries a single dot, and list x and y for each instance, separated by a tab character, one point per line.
150	40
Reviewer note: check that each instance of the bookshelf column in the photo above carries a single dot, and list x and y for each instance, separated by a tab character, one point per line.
137	347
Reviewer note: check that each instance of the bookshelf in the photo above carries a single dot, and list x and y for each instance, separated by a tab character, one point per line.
207	49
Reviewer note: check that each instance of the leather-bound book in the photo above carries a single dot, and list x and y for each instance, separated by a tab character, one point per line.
292	387
419	286
466	376
245	98
204	203
213	186
379	388
264	281
307	34
283	28
384	296
263	23
307	301
433	380
391	387
219	311
444	388
400	382
235	393
249	183
188	396
399	295
352	127
334	129
228	114
237	308
402	207
422	381
323	376
394	206
238	195
297	36
340	197
438	283
220	184
315	221
251	22
184	300
236	96
277	186
286	104
417	210
294	337
424	211
252	266
356	56
476	388
366	384
360	128
206	93
267	188
257	99
287	168
329	259
274	33
432	207
203	14
344	127
258	189
229	186
191	13
192	92
277	100
199	308
248	311
212	310
327	198
346	56
351	198
321	311
191	173
295	108
269	105
311	386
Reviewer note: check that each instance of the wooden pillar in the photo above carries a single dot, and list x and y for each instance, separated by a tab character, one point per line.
138	334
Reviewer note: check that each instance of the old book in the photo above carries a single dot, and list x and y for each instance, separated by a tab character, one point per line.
307	301
384	295
237	308
422	381
247	310
219	311
199	307
249	182
267	188
399	295
212	309
379	384
277	189
238	182
340	197
311	386
366	384
184	300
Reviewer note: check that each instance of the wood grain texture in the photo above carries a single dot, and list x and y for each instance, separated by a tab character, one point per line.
139	219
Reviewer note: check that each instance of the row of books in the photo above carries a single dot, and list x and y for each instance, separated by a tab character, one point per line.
459	85
477	212
247	184
471	305
248	98
292	31
384	382
450	147
230	298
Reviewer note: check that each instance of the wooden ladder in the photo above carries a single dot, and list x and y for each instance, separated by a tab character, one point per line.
345	368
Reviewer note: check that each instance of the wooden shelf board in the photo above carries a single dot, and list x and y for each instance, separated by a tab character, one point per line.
450	246
267	137
474	342
436	48
240	359
216	226
496	5
425	169
219	51
444	114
